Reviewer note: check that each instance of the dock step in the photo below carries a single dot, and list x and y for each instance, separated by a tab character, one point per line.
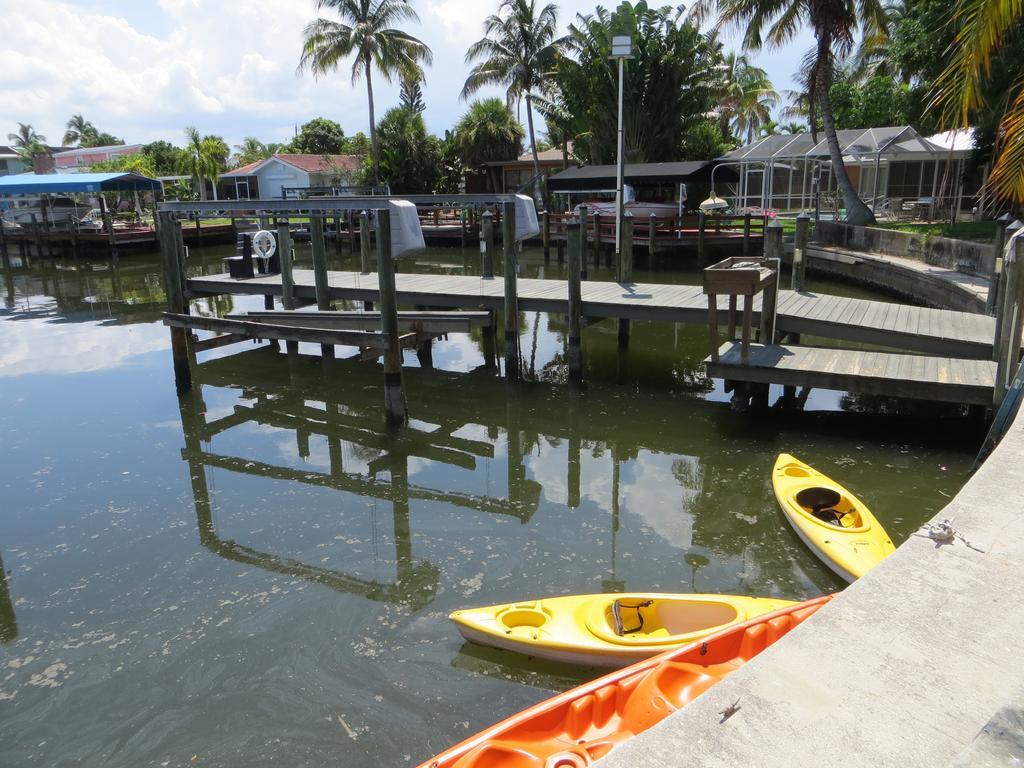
943	379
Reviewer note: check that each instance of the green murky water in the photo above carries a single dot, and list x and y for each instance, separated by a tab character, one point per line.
260	573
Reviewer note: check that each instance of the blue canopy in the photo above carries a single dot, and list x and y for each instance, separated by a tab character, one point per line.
66	183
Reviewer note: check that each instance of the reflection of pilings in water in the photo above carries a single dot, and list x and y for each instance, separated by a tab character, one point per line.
416	584
575	448
8	621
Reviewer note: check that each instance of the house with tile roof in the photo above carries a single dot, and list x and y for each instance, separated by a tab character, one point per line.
266	178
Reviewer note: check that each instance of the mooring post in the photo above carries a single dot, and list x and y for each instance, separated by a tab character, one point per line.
170	261
1005	302
770	295
746	234
337	235
584	234
702	258
625	271
996	283
364	250
597	240
652	237
108	226
575	235
508	242
323	288
396	412
487	245
803	230
284	249
545	232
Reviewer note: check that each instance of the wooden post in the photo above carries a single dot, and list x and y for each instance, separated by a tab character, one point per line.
396	411
323	288
584	234
652	237
508	242
995	285
574	247
746	234
803	228
351	220
597	240
702	257
773	240
364	250
284	249
108	225
769	301
170	258
337	235
1013	321
545	233
487	245
1004	303
625	271
462	227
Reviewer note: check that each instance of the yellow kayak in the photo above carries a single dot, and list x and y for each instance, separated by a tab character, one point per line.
833	522
609	630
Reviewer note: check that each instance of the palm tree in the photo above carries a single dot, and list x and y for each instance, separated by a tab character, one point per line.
793	127
78	130
250	150
746	96
834	23
488	132
201	158
25	136
984	26
365	30
517	51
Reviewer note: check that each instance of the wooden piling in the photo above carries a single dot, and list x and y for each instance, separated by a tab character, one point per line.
574	249
995	282
625	271
1005	300
396	411
746	234
803	229
323	289
337	235
487	245
508	242
584	234
545	233
364	251
174	288
284	250
596	245
773	240
702	256
652	237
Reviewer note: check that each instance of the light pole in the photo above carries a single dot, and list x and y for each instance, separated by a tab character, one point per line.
622	46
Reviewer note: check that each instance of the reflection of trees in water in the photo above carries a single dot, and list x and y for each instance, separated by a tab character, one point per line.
8	621
878	404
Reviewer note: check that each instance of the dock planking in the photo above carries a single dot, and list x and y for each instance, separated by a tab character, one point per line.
921	377
928	331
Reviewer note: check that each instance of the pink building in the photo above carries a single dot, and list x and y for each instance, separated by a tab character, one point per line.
70	160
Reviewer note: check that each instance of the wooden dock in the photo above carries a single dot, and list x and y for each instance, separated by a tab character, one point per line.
898	326
921	377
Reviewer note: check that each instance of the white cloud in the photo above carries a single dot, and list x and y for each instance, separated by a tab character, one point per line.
144	72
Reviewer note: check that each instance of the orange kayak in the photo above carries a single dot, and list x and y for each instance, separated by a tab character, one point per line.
575	728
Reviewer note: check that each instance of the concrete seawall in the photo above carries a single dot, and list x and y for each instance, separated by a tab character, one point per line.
904	668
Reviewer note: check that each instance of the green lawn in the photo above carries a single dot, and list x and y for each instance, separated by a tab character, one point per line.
977	231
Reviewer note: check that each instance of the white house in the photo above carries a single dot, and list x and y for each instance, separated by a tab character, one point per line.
265	179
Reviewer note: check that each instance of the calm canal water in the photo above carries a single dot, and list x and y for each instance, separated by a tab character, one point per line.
260	574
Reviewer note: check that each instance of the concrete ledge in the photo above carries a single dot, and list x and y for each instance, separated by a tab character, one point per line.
933	286
904	668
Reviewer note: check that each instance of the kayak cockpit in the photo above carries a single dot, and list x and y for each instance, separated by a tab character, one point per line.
829	506
655	621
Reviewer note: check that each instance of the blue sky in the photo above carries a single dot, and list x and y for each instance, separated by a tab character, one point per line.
144	70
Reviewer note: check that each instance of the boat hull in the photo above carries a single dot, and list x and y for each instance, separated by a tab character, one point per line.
575	728
581	629
846	536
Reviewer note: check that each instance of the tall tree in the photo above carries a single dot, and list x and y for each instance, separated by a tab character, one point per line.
834	24
517	50
984	28
203	158
488	132
746	96
365	30
320	136
411	94
410	159
79	130
25	136
668	88
251	150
